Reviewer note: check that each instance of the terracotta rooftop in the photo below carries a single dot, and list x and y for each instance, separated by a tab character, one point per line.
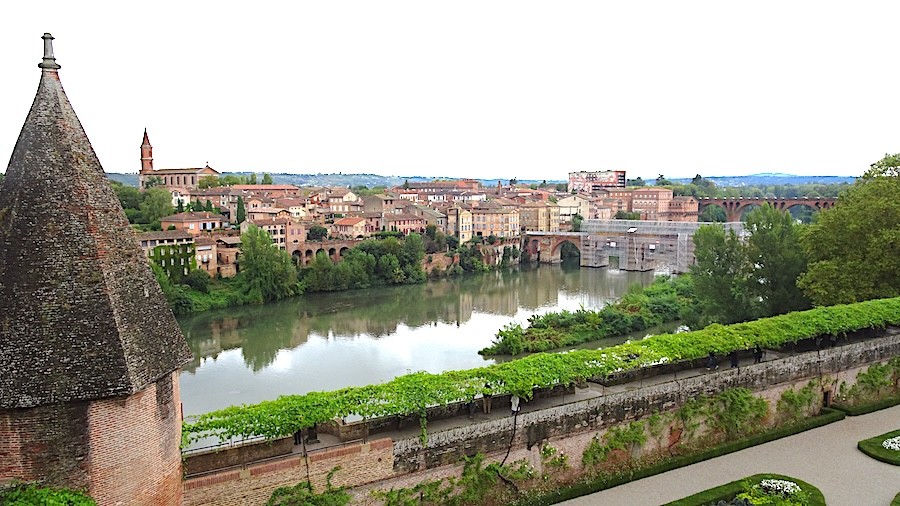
164	234
81	314
194	216
350	221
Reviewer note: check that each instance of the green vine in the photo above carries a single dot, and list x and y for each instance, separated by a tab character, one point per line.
628	437
795	405
413	393
872	384
736	412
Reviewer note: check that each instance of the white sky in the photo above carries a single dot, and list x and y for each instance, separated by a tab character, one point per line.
488	89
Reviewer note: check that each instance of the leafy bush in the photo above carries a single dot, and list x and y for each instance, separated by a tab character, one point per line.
748	490
29	495
874	448
666	300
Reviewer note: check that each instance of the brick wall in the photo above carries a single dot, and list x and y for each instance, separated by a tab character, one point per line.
570	427
122	450
202	462
134	447
360	463
47	443
447	447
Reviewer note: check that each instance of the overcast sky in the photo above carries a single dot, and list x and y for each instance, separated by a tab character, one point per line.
488	89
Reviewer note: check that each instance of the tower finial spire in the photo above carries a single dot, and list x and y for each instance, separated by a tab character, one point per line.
49	62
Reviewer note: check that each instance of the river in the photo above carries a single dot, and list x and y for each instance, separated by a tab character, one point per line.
327	341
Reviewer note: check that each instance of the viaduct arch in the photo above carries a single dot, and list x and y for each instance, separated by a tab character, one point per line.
735	207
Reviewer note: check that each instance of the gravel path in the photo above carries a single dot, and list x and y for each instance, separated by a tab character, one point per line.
825	457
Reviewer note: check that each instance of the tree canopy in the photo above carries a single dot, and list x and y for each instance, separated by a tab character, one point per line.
852	247
266	272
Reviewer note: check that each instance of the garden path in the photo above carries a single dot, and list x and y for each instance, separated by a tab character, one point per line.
826	457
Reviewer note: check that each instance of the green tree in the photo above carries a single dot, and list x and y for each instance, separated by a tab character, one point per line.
576	222
719	276
662	181
253	178
638	181
775	260
851	247
267	178
129	196
266	272
241	212
152	182
209	182
208	207
157	204
179	208
625	215
712	214
316	233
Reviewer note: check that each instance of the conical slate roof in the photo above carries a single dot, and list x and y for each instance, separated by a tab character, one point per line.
81	314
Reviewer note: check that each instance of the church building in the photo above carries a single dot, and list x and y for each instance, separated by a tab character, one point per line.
177	181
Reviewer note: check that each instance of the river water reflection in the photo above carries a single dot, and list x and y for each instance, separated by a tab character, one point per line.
333	340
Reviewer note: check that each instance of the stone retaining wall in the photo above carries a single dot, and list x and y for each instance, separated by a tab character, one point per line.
450	446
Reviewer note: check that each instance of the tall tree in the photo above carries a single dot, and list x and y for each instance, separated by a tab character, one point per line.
179	208
157	204
852	247
241	212
266	272
208	206
719	276
209	182
253	178
775	260
267	178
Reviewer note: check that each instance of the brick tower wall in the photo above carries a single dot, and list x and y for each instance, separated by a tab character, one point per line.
46	443
135	454
122	450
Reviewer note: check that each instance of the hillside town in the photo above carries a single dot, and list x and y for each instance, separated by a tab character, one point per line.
462	208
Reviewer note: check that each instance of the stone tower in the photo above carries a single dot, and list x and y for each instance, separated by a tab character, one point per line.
89	349
146	155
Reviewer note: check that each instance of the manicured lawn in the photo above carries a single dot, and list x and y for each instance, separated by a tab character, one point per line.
730	490
896	501
872	447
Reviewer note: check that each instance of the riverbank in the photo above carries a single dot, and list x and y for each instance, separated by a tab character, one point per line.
372	263
667	300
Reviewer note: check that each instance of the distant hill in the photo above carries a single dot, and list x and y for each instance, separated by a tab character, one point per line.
769	179
372	180
128	179
333	180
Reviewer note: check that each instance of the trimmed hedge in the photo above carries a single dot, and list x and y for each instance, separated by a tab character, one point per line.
730	490
868	408
604	482
872	447
896	501
414	393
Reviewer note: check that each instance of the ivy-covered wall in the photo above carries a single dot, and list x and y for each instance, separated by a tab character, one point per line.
768	379
176	259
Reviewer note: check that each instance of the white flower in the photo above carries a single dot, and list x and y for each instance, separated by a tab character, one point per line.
892	444
781	487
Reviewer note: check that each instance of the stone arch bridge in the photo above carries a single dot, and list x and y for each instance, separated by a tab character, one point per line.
735	207
629	245
302	253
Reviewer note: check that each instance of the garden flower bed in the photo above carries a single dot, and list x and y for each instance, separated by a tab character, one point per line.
885	447
605	481
756	488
